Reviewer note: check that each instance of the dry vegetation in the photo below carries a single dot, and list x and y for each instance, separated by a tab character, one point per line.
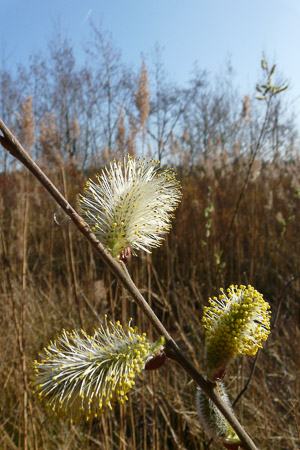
63	276
50	278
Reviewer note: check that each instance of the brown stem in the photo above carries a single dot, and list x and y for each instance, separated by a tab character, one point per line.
21	346
11	144
241	393
245	184
71	253
25	228
23	316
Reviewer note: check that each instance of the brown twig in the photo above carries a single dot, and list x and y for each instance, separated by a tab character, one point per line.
71	254
11	144
242	392
272	327
21	346
281	298
245	184
248	381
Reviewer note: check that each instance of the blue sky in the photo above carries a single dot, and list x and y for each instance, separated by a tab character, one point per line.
188	30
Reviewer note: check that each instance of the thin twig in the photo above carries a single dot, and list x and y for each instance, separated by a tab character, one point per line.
272	327
21	346
248	381
11	144
242	392
281	298
241	194
71	253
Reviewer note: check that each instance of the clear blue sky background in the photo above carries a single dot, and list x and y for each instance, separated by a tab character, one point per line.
206	31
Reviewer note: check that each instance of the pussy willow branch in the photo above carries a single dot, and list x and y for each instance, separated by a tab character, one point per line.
11	144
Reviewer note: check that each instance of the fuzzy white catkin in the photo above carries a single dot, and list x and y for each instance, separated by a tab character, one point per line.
131	204
211	418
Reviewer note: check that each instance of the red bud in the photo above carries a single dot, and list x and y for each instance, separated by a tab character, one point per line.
219	375
125	255
157	361
231	446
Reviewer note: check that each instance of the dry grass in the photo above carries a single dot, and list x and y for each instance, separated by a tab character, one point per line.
64	276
